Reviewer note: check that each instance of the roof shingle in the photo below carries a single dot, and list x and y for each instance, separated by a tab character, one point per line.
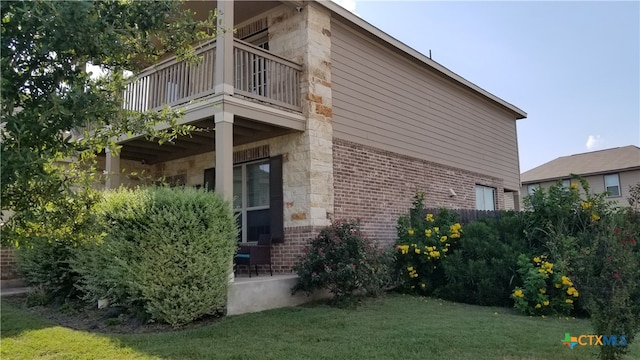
595	162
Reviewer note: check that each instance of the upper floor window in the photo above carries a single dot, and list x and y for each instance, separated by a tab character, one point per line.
485	198
532	188
612	184
566	183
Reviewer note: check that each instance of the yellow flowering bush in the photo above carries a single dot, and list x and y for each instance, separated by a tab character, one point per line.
543	291
424	240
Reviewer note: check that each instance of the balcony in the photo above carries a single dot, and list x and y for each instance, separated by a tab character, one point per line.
259	76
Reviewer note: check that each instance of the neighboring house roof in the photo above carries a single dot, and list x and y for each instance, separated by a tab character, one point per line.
519	113
591	163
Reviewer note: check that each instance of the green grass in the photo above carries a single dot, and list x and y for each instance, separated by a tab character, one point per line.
393	327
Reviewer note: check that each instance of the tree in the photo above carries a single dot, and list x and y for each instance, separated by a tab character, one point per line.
47	96
634	196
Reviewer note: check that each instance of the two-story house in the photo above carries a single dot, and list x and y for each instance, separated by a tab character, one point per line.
611	170
309	113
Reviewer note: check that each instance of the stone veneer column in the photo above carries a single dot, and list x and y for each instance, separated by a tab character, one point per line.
316	92
305	37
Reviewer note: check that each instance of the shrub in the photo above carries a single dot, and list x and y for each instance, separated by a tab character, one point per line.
597	247
424	240
168	251
544	291
46	237
608	271
482	268
342	260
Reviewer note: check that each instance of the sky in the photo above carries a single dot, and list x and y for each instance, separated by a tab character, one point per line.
572	66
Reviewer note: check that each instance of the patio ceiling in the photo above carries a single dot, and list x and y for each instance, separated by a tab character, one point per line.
243	10
198	142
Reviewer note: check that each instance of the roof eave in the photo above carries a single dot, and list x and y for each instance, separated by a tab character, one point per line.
603	172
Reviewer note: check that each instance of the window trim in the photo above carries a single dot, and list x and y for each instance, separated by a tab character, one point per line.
532	187
243	209
493	195
606	188
276	198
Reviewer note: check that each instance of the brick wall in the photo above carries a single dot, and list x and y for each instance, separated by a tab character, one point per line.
378	186
8	270
285	254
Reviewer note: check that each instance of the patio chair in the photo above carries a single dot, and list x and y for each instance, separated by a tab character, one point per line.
254	255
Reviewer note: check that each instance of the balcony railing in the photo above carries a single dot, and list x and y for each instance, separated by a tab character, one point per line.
258	75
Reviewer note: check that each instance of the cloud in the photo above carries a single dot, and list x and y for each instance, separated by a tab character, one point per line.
347	4
593	142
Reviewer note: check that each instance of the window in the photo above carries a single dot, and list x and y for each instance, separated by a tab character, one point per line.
566	183
612	185
259	65
531	188
485	198
257	198
251	199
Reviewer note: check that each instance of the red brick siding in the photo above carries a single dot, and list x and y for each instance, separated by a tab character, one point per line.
284	255
378	186
8	265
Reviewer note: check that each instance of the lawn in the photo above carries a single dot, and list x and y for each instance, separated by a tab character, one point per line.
392	327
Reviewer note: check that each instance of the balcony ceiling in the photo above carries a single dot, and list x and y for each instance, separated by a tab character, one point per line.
198	142
243	10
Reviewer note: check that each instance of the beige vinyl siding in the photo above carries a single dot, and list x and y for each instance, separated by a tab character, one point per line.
596	185
381	98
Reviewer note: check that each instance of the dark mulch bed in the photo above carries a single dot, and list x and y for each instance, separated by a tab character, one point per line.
81	316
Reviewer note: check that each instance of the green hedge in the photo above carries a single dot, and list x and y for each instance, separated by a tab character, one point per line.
482	270
167	252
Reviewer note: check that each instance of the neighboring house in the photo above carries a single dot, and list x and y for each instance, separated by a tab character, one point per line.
312	114
612	170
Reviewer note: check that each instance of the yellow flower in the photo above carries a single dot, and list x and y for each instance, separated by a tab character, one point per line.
445	249
569	301
436	229
585	205
443	238
518	293
558	286
410	268
543	291
429	218
404	249
546	303
417	251
538	306
423	286
566	281
411	231
572	291
574	186
595	217
536	259
427	233
455	235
